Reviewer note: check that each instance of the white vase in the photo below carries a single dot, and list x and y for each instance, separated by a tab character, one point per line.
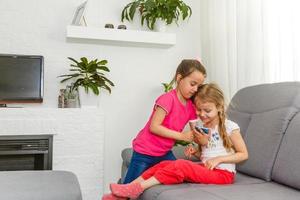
87	99
160	26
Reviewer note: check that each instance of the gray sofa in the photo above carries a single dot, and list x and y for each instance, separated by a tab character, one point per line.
39	185
269	118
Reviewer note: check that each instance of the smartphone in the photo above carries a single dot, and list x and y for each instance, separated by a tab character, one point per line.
202	129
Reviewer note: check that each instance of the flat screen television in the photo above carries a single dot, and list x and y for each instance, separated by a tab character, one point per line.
21	78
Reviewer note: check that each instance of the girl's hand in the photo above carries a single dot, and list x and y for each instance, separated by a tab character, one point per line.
189	151
201	138
212	163
187	136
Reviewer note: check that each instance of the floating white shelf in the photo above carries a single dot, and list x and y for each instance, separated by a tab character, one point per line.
122	37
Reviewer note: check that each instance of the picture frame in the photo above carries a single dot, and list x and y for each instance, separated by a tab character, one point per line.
79	18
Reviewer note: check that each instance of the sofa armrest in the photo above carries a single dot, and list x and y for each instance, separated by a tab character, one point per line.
45	184
126	157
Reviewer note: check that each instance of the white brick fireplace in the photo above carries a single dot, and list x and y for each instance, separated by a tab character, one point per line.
78	140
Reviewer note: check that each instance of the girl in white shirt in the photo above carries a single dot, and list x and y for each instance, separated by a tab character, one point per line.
218	150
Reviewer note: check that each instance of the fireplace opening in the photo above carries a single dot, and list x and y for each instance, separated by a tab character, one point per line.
26	152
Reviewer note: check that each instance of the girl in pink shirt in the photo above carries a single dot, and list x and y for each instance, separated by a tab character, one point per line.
170	114
219	151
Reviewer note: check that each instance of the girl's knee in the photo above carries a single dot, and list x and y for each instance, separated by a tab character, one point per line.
181	162
165	162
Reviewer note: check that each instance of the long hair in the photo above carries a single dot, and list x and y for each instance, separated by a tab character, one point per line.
188	66
212	93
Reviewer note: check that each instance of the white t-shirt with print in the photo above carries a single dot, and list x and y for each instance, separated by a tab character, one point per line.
215	146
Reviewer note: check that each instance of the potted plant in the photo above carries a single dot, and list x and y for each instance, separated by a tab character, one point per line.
153	10
88	75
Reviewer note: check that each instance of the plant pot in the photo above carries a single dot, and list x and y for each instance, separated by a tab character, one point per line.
160	26
87	99
72	103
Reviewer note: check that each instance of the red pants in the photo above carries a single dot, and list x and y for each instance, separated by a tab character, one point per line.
179	171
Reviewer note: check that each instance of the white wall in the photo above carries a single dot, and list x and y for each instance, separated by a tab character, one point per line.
38	27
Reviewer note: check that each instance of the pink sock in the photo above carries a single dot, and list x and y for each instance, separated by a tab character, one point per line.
131	190
112	197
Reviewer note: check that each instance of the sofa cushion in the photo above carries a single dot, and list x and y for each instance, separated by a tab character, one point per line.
241	118
126	156
190	193
263	138
287	164
154	192
39	185
265	97
268	190
263	117
160	192
242	179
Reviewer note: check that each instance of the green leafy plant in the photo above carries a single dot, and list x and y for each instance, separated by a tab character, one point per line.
89	75
181	143
168	86
151	10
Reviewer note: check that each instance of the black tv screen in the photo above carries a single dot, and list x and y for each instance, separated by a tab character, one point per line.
21	78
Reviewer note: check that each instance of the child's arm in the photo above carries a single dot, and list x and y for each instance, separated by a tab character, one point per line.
192	123
201	139
157	128
190	151
240	154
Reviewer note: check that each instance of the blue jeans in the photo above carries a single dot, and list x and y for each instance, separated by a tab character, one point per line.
140	162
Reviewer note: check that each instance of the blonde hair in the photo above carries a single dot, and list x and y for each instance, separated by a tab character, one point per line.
212	93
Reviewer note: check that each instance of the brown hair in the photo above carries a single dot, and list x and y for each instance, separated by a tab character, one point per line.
188	66
212	93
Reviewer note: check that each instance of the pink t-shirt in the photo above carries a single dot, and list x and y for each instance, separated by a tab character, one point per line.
177	117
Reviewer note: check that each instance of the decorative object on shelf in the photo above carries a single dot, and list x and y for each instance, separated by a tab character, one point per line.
160	26
68	98
152	10
122	26
79	18
88	75
109	26
61	98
